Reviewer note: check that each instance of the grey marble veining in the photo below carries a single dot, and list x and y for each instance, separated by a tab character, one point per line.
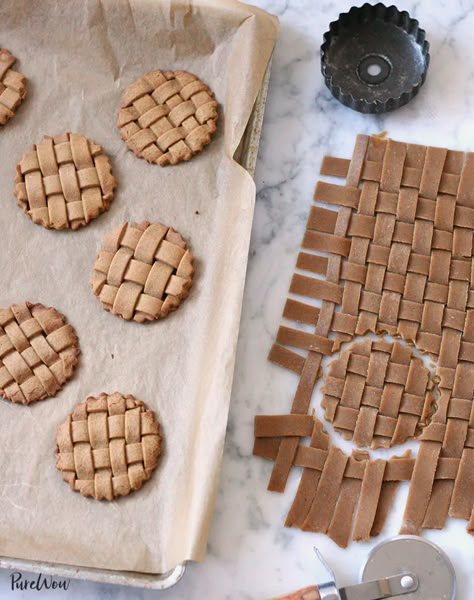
251	555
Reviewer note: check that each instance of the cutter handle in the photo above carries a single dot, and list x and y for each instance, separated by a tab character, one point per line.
307	593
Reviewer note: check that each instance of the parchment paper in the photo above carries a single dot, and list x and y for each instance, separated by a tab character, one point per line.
78	57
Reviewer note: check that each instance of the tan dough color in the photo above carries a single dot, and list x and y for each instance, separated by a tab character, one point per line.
396	257
378	394
167	117
38	352
143	271
108	446
64	182
12	87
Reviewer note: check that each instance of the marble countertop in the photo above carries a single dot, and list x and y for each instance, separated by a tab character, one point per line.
251	555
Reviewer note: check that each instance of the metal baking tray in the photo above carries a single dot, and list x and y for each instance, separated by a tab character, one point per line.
246	155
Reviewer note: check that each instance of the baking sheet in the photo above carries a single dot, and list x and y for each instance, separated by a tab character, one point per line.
79	57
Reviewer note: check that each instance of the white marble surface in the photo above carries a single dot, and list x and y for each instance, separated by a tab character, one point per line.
251	555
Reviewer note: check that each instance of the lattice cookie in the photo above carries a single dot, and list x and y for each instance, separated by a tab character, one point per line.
12	86
108	446
38	352
378	394
64	182
143	271
167	117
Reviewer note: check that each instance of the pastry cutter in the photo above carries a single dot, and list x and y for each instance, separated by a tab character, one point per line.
404	567
374	58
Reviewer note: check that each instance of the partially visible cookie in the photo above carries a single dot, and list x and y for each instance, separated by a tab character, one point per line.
143	271
12	86
38	352
167	117
108	446
64	182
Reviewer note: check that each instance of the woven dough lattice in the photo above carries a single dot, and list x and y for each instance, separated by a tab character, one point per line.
108	447
143	271
378	394
64	182
167	117
12	86
396	257
38	352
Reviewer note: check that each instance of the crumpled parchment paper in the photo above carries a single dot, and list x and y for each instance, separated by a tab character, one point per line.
79	56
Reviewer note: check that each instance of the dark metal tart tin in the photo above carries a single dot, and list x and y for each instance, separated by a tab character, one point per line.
374	58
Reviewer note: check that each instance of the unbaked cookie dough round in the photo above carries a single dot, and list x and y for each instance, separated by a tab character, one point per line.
38	352
12	87
109	446
64	182
166	117
143	271
378	394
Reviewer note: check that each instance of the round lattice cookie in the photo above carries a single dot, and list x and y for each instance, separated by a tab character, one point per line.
108	446
143	271
12	86
378	394
38	352
167	117
64	182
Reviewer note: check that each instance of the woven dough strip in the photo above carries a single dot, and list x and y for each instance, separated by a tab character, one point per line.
143	271
398	260
12	87
64	182
38	352
330	292
108	447
343	496
167	117
378	394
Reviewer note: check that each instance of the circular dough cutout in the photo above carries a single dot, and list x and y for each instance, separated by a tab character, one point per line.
109	446
143	271
378	394
64	182
167	117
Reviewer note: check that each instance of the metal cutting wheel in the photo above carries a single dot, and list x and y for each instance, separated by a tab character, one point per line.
402	568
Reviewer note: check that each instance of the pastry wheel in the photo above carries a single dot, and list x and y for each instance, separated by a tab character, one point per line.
404	567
